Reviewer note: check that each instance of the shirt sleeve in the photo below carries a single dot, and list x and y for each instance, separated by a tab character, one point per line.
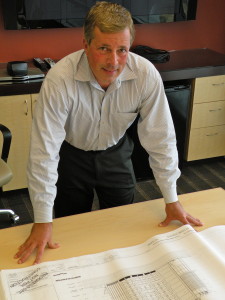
157	135
47	135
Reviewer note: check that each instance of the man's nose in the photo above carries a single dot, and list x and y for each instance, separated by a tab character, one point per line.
113	58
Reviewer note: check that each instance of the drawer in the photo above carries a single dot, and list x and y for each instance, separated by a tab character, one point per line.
206	142
208	114
209	89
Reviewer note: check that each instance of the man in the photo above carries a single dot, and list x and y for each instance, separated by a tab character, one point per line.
87	102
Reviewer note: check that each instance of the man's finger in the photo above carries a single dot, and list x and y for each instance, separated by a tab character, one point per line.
165	222
40	251
22	250
23	256
52	245
194	221
39	255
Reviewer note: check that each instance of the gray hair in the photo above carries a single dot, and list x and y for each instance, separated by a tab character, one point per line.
109	18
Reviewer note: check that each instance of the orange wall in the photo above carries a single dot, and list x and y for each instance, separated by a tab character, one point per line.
207	31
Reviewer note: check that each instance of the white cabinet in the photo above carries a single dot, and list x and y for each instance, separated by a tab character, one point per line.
16	114
207	119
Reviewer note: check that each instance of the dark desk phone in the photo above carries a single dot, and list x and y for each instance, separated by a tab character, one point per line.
44	64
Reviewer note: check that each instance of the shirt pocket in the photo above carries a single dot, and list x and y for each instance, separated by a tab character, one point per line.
122	121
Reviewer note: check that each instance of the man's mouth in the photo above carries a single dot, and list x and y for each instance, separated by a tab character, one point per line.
110	70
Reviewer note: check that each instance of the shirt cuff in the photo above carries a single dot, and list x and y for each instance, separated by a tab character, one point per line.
43	215
170	196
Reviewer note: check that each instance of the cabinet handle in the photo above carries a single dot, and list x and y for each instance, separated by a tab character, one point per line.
212	134
217	84
26	112
215	110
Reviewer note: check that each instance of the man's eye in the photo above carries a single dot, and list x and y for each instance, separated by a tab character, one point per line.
123	50
103	49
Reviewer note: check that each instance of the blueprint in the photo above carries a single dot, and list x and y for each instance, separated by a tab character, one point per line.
182	264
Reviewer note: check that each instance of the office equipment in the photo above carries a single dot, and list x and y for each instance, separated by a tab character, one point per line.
32	74
49	61
17	68
5	171
21	14
39	63
179	97
152	54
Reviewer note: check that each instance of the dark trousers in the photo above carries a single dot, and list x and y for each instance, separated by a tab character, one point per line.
109	172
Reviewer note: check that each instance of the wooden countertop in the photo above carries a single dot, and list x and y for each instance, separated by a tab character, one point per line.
192	63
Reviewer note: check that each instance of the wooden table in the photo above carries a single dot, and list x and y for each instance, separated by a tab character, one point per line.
117	227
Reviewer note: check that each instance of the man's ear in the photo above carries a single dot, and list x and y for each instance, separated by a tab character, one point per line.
85	44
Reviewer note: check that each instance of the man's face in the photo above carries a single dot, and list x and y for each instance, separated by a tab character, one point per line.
107	55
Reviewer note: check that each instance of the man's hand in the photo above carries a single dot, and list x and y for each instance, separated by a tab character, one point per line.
40	236
175	211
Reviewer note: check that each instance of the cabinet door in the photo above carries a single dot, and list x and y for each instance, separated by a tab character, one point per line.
206	142
208	114
209	89
15	113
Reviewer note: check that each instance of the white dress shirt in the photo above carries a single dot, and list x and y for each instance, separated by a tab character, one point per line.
73	107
